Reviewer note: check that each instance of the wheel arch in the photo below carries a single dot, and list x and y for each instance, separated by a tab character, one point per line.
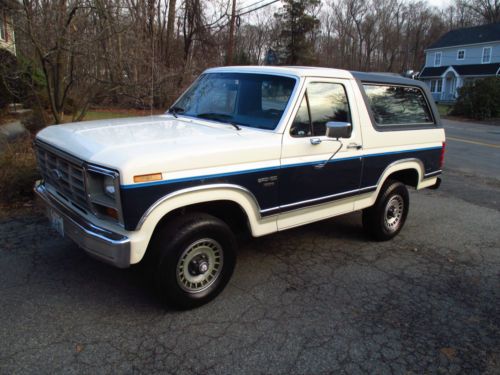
408	171
213	199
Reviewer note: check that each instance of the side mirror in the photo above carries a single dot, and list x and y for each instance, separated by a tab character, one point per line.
337	129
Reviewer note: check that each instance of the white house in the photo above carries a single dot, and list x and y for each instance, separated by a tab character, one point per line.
7	40
459	56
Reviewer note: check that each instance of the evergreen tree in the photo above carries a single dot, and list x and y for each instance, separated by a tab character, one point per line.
297	26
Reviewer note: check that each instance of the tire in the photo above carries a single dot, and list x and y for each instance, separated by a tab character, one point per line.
194	258
385	219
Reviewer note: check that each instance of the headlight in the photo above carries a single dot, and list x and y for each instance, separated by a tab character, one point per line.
102	192
109	186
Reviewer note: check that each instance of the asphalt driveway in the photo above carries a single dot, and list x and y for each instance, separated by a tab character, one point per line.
321	298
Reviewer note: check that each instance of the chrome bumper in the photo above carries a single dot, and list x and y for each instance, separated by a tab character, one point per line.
107	246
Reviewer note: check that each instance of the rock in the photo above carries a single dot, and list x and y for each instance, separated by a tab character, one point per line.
12	130
9	132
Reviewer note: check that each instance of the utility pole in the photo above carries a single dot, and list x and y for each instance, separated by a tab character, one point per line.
230	45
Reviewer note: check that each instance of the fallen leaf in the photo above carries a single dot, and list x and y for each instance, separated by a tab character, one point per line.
450	353
79	348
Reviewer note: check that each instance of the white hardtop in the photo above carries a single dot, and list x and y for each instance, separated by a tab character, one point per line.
297	71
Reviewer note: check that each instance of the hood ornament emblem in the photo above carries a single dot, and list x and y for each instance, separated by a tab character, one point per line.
56	174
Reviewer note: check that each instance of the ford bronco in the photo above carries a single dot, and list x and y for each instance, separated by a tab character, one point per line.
262	148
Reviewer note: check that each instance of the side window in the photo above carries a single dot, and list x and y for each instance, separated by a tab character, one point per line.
322	103
398	105
301	126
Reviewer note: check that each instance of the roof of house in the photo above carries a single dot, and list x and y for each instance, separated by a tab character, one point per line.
433	71
463	70
469	35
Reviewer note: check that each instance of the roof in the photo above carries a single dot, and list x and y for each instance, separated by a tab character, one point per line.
310	71
469	35
395	79
433	72
462	70
297	71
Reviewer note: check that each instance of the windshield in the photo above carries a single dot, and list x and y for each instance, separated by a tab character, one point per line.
255	100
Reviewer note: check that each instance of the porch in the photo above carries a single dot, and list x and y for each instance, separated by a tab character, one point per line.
445	88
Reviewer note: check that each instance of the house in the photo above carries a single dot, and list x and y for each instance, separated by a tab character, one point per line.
7	38
460	56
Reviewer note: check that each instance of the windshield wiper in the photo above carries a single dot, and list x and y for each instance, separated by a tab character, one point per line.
221	117
174	110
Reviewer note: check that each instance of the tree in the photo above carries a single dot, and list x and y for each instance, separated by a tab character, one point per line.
489	10
297	28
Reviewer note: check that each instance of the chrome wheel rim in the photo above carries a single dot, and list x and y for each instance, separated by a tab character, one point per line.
394	212
200	265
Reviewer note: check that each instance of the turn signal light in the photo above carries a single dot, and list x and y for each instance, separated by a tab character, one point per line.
148	177
111	212
441	158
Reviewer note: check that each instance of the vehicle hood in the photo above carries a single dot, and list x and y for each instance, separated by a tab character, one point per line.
143	145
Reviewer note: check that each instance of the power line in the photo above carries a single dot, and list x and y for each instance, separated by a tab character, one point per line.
251	5
260	7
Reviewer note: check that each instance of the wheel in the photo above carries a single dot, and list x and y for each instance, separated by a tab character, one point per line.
385	219
195	255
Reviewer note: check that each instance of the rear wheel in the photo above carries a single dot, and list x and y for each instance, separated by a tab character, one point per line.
195	258
385	219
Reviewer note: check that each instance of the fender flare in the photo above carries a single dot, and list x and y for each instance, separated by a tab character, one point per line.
202	194
400	165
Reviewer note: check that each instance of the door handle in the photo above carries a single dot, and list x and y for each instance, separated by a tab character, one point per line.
354	146
315	141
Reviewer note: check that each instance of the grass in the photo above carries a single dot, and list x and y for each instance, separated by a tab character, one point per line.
17	172
105	115
443	109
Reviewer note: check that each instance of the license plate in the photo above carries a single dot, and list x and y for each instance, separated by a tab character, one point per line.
56	222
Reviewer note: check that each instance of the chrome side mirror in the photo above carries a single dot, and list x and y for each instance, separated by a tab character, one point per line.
337	129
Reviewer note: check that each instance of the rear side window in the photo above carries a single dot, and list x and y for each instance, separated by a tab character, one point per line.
398	105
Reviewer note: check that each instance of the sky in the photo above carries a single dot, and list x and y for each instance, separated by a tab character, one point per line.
436	3
439	3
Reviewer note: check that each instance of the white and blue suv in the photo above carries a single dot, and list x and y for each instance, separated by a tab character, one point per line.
261	148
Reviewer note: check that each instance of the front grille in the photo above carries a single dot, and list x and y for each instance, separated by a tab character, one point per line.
65	176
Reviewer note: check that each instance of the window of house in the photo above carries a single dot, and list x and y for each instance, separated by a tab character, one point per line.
3	29
437	59
436	85
461	54
398	105
322	102
486	55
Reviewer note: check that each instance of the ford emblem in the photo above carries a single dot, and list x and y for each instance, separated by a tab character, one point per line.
56	174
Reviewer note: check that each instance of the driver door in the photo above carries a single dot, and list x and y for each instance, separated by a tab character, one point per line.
305	179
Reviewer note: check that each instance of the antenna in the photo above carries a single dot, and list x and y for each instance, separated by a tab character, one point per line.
152	70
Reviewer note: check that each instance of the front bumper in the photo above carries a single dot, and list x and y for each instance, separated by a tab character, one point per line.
108	246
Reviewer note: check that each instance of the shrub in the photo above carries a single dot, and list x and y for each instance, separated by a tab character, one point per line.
479	99
17	171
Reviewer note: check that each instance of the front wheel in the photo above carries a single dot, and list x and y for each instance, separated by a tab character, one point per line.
385	219
196	255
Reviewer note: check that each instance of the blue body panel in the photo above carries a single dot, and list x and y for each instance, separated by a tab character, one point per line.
281	186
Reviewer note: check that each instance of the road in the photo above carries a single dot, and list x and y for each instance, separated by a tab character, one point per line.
473	148
317	299
472	162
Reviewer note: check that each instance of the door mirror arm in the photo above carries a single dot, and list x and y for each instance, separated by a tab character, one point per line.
322	165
